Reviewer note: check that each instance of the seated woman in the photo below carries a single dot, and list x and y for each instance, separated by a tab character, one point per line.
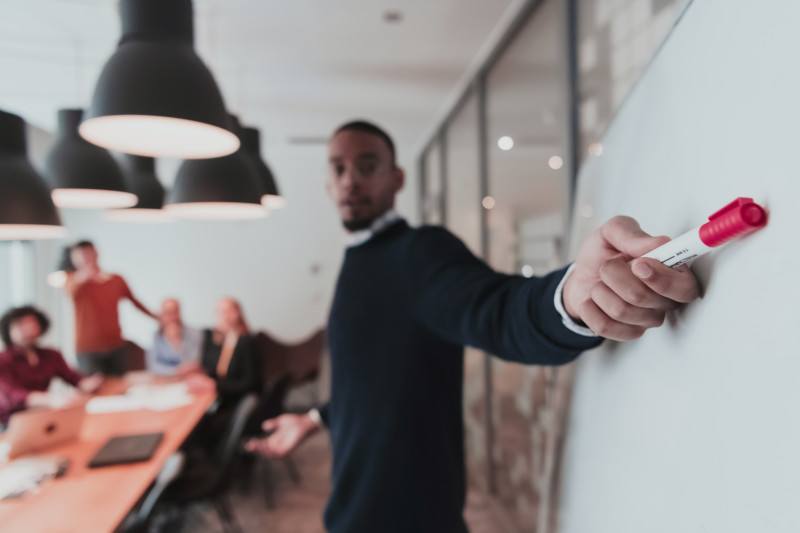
176	348
231	359
230	355
27	369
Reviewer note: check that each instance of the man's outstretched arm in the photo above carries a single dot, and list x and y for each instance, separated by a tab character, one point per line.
515	318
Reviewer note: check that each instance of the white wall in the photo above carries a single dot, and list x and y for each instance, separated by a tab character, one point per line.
694	427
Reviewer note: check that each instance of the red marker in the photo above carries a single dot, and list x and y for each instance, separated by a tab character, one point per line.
739	218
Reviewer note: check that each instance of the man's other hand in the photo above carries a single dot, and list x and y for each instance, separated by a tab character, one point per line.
618	294
287	432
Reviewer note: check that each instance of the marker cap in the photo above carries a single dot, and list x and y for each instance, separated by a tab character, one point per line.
738	218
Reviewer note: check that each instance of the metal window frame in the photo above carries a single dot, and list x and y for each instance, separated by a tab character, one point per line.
478	85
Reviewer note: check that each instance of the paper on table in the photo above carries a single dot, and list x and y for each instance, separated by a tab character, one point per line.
115	404
153	397
25	475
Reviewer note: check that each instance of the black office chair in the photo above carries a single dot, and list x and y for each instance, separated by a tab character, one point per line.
139	521
272	404
206	477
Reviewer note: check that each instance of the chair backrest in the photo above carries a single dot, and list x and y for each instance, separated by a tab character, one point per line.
302	360
169	471
271	404
233	434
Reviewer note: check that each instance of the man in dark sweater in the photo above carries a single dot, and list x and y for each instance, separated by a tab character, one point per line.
406	303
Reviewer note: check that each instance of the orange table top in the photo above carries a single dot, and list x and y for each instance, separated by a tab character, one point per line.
98	499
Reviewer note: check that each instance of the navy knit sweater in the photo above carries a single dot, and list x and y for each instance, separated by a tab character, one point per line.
406	303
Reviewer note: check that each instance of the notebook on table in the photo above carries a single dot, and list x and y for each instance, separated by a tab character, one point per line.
126	449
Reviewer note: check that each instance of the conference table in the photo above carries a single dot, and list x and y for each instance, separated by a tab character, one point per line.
98	499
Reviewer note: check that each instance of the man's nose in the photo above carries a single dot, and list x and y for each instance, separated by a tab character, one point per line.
350	178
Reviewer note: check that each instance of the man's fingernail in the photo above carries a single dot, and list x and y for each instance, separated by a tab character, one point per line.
641	270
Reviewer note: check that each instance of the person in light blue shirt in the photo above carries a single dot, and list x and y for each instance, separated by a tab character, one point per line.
176	348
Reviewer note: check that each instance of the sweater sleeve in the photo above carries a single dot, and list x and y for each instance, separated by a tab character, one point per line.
464	301
64	371
13	396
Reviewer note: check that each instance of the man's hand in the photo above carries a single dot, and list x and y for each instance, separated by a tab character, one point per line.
288	432
617	295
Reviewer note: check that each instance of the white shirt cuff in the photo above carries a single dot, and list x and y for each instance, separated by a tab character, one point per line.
565	318
316	417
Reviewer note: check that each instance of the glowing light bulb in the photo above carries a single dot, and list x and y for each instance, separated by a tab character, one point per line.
505	143
555	162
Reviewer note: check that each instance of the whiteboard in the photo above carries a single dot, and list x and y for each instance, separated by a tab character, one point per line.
695	427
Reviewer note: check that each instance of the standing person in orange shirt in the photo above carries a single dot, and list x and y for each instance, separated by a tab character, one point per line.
96	295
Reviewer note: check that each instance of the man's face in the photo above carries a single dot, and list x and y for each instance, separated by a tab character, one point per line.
362	177
25	331
170	312
84	257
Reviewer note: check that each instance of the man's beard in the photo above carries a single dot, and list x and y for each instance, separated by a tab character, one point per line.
357	224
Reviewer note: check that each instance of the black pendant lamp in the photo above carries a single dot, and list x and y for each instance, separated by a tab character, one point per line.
155	97
223	188
58	277
26	209
141	179
251	146
81	174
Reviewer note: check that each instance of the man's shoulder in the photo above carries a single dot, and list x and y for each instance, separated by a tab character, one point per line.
431	238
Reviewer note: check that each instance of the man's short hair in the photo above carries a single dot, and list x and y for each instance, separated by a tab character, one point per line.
14	314
82	244
369	127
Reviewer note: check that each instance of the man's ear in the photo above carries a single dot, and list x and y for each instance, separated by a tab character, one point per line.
399	178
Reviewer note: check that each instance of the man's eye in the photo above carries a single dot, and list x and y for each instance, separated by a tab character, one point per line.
338	170
367	169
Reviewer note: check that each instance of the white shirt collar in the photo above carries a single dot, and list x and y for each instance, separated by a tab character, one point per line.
359	237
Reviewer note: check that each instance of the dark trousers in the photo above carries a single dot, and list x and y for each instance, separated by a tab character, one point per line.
109	363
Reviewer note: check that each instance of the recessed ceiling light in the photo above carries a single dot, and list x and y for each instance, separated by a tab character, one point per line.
505	143
555	162
595	149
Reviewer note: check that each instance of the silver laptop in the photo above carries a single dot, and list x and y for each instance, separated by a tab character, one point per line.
35	430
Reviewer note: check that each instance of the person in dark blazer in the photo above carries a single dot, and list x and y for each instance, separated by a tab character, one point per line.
230	355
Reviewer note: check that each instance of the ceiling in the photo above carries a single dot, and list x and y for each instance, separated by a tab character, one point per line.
292	68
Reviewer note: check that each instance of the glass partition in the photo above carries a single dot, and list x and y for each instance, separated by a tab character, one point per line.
528	130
